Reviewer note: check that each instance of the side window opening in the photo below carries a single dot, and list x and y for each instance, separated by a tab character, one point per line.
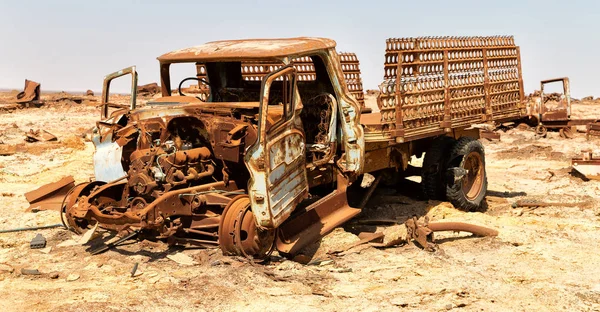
281	97
318	113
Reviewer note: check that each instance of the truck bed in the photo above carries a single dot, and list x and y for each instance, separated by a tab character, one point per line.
435	84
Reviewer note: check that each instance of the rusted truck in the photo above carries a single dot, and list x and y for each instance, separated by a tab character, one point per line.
553	110
265	160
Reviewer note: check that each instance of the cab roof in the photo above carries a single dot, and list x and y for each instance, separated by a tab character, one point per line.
248	49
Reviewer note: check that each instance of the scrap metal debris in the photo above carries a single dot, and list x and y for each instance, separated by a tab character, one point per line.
148	89
108	246
38	242
39	135
413	230
49	196
134	269
593	129
587	166
422	232
30	93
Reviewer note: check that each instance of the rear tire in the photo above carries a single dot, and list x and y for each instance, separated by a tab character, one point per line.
434	168
467	178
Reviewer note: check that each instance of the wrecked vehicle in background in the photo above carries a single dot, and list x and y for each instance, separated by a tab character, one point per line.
264	159
553	110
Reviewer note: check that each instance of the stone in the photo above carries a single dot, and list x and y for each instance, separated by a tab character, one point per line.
5	268
46	250
72	277
182	259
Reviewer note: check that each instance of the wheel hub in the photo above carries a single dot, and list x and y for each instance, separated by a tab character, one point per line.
70	204
238	233
473	180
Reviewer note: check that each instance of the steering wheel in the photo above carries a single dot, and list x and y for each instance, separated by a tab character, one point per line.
193	78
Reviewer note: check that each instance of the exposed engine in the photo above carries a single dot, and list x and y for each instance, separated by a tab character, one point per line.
165	167
182	172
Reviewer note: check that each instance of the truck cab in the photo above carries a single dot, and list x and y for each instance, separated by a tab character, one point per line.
273	120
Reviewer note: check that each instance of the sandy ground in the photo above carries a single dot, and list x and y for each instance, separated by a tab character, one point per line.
545	259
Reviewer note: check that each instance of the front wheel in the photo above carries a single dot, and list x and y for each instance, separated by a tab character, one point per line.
467	178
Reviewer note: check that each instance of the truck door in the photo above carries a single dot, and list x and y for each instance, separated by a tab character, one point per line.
277	160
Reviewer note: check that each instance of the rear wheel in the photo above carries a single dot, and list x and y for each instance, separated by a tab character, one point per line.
467	178
434	168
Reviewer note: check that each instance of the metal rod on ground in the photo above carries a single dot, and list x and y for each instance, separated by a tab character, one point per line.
372	188
32	228
114	244
462	227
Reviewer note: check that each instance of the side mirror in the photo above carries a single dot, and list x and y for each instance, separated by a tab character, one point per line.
106	90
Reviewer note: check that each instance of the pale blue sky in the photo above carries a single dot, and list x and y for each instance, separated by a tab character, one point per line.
71	45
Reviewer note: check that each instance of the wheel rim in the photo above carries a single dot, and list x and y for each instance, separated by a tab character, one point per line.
77	225
238	233
473	181
541	130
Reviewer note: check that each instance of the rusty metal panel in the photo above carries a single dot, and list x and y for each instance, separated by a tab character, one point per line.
587	165
49	196
248	49
107	159
433	83
593	129
30	93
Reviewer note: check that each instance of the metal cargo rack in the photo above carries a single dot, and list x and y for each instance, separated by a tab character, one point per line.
435	84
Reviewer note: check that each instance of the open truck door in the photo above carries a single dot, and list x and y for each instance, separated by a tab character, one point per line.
277	161
105	105
108	154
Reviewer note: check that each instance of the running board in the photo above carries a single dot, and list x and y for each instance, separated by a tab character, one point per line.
319	219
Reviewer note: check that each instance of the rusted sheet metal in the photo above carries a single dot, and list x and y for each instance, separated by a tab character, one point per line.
30	93
448	82
249	49
593	129
49	196
148	89
587	165
107	159
39	135
317	220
